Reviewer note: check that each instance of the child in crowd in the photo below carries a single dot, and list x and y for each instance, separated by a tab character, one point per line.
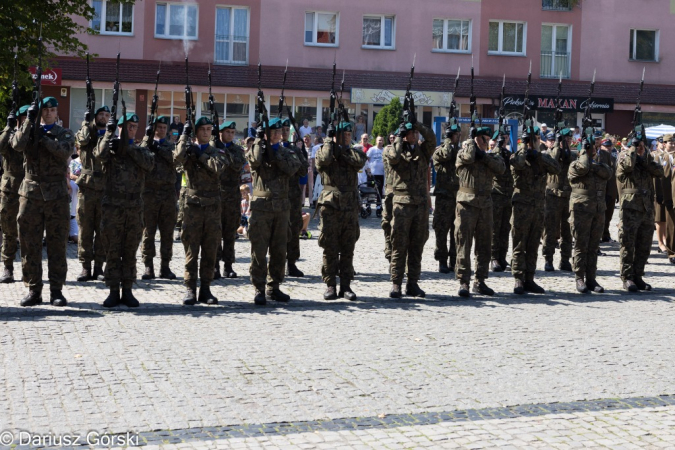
245	209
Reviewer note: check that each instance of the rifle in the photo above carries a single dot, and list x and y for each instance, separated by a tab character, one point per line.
153	107
342	113
189	103
502	117
587	121
638	127
452	111
91	96
333	97
559	121
124	138
263	119
528	120
409	101
472	108
116	91
282	99
214	116
15	95
37	94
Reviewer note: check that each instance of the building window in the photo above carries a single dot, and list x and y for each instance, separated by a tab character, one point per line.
113	17
507	38
231	35
378	32
452	35
176	21
555	51
644	45
321	28
556	5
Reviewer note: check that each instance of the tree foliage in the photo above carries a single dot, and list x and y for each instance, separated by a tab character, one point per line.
388	119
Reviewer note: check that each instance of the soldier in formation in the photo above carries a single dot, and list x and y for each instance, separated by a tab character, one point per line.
296	201
502	191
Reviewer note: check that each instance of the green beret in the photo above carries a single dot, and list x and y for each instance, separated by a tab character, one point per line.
455	128
162	119
286	122
565	132
345	126
536	130
276	124
495	135
23	111
408	126
130	117
102	109
484	131
50	102
228	126
202	121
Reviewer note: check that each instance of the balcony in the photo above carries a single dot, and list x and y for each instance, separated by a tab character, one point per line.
553	64
557	5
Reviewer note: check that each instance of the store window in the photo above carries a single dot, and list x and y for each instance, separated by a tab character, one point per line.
237	109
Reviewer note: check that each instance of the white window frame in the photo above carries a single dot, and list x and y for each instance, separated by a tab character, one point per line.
102	31
393	31
657	39
167	25
314	31
445	36
500	38
248	37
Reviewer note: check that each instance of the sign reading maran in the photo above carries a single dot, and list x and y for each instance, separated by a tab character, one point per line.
385	96
598	105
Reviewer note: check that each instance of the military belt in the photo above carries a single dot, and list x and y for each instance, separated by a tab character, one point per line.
207	194
470	190
124	196
39	179
93	173
636	191
339	188
410	193
588	193
556	187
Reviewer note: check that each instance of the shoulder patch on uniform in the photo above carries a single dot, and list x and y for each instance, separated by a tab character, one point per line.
67	136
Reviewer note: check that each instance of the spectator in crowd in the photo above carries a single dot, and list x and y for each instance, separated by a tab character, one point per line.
318	142
392	138
176	128
305	129
319	132
245	190
543	130
250	133
360	127
365	143
304	233
74	170
375	163
577	134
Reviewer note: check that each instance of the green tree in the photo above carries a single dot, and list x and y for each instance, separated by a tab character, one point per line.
388	119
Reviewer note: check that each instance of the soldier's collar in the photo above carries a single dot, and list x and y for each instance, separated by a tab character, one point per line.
203	146
48	127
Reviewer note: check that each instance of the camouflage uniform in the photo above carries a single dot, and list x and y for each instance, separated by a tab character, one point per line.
181	201
12	176
44	203
447	184
612	193
587	213
269	221
557	214
122	207
387	206
409	169
502	191
89	196
339	210
636	228
474	209
159	204
295	212
529	195
666	160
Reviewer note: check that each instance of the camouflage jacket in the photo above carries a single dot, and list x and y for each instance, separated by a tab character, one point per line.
444	160
558	184
589	181
92	169
635	175
529	176
475	176
607	158
294	189
230	178
202	174
503	184
663	187
339	175
270	178
163	175
46	164
124	175
409	166
12	164
388	190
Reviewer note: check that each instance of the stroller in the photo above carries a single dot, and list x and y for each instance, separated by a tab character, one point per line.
370	193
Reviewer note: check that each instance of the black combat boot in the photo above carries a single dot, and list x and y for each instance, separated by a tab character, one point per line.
548	266
565	265
641	285
593	285
129	299
33	298
7	274
395	291
503	263
56	298
581	285
276	295
216	272
228	271
346	291
149	273
98	272
496	266
519	287
330	293
412	289
85	275
630	286
293	271
165	272
113	298
259	298
190	295
443	267
205	295
479	287
531	286
451	265
463	289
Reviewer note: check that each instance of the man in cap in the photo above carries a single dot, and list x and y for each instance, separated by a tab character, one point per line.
588	178
339	164
230	198
530	169
159	199
44	203
636	170
605	156
125	165
476	169
272	165
201	228
447	184
409	162
89	195
12	176
296	201
502	191
543	132
557	213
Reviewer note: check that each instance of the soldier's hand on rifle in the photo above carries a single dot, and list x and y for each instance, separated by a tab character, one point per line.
149	131
197	150
32	112
402	130
187	128
330	131
113	145
87	115
412	118
260	131
11	120
110	126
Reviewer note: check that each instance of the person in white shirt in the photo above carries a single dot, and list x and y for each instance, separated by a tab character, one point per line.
305	129
375	164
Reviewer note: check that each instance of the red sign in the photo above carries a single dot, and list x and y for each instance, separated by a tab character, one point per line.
50	77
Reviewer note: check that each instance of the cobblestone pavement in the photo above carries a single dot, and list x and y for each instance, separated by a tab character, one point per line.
169	367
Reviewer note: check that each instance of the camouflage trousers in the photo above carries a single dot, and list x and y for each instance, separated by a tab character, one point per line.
9	210
387	207
501	225
443	224
527	224
159	212
230	219
557	226
121	230
295	223
472	223
340	231
610	201
51	218
409	233
201	230
268	231
636	231
90	243
181	206
587	230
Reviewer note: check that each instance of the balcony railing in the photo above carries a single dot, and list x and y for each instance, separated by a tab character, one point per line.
556	5
553	64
